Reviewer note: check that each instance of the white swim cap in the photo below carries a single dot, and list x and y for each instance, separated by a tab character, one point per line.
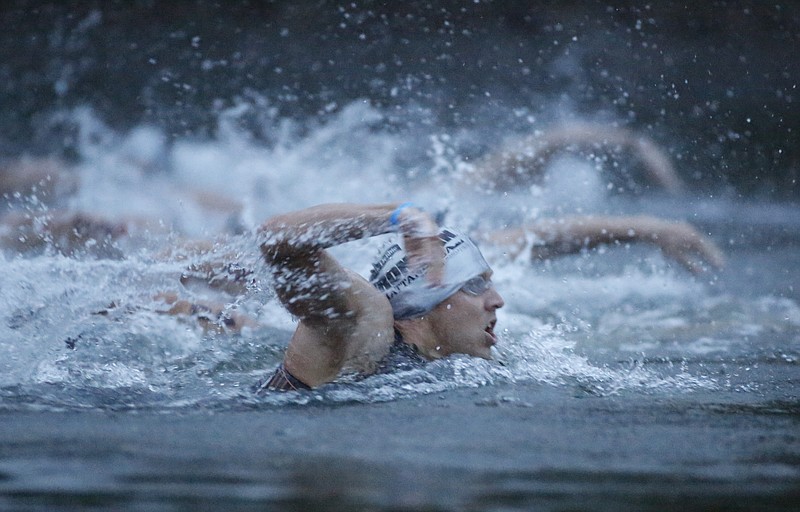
411	294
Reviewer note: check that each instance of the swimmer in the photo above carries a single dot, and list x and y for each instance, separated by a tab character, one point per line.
63	232
36	215
522	161
427	298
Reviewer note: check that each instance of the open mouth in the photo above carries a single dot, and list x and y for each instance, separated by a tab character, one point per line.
490	331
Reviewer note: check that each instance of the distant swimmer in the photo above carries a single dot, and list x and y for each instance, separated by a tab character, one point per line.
521	161
429	296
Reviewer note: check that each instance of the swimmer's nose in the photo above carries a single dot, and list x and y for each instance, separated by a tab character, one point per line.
494	300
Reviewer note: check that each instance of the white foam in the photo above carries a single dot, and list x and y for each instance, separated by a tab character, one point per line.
558	316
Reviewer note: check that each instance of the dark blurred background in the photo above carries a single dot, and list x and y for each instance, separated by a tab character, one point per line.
715	82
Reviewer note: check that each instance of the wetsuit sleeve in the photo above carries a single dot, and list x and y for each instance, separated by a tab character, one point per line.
281	380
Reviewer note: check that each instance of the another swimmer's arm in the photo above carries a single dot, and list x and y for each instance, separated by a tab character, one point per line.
309	282
555	237
524	160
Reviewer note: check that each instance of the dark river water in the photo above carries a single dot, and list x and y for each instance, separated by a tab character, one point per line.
620	382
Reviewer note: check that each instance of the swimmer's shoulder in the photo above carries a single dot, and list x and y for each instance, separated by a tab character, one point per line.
355	341
373	333
367	296
372	308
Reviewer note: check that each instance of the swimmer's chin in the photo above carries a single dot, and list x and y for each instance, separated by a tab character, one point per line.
484	353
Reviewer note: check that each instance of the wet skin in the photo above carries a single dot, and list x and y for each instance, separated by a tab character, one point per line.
464	323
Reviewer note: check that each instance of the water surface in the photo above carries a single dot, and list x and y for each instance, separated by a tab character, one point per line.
620	381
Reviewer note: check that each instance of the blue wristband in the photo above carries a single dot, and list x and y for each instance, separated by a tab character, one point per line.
395	218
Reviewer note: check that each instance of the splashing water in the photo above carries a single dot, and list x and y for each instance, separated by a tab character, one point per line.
82	332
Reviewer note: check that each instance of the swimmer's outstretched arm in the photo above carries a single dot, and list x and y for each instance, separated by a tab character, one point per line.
556	237
524	160
339	312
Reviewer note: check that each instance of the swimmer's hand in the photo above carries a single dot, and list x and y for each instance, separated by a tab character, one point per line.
423	247
684	244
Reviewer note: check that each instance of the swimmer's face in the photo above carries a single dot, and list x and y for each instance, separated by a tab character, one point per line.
464	322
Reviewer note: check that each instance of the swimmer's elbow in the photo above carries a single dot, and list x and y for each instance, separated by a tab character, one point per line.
278	241
276	252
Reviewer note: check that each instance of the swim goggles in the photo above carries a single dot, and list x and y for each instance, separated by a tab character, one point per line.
477	285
